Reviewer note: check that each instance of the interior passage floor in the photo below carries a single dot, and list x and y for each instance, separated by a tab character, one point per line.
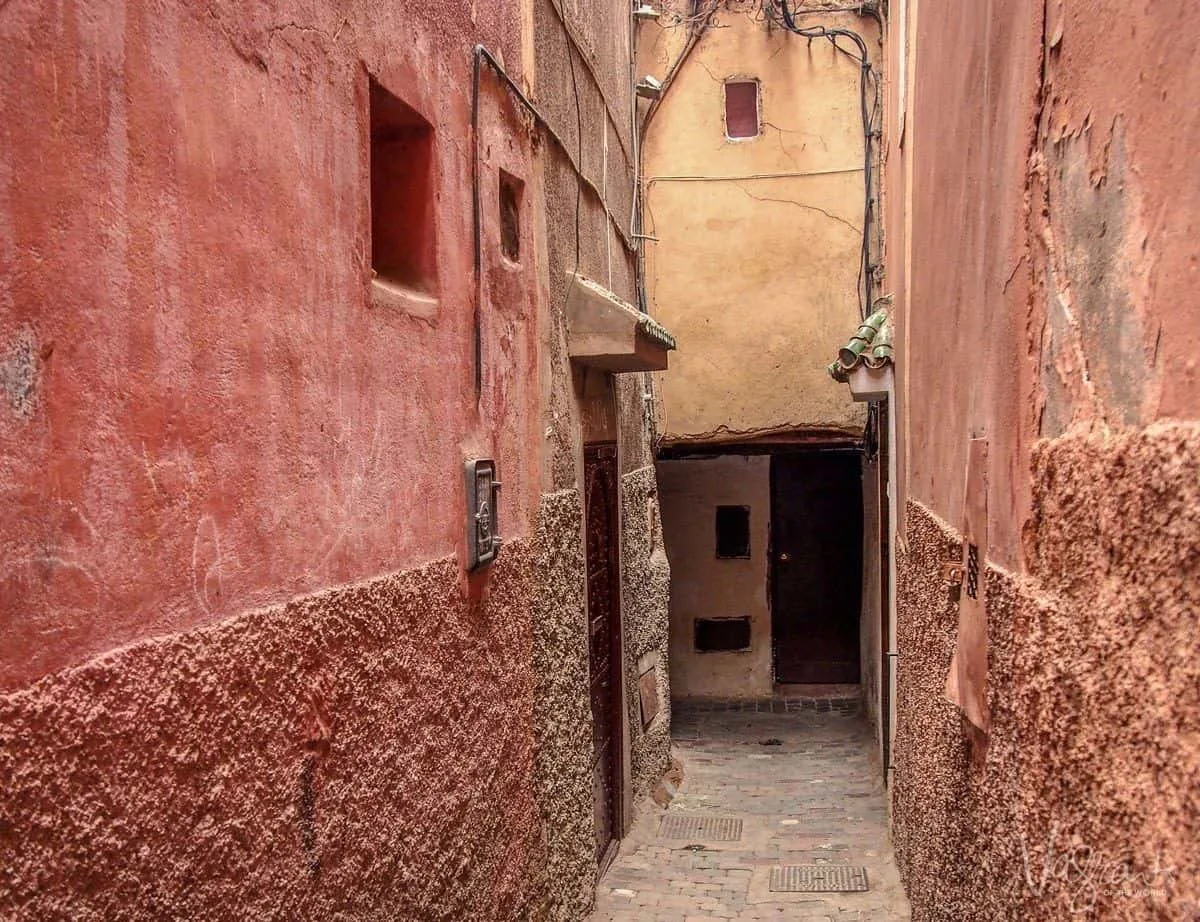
807	792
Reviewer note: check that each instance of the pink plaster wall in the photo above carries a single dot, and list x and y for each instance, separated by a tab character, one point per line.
202	411
1054	252
1051	310
970	128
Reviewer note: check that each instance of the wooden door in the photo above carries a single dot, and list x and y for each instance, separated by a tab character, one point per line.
604	640
816	543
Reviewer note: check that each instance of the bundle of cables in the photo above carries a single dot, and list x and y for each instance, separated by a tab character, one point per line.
869	104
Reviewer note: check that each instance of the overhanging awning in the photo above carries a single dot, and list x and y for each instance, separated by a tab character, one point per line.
607	333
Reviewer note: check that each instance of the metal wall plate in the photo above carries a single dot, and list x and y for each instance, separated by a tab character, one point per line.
818	878
701	828
483	489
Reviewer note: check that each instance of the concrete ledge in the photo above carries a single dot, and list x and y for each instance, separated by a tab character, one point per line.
868	383
610	334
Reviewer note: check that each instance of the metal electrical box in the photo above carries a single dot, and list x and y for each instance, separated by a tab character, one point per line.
483	494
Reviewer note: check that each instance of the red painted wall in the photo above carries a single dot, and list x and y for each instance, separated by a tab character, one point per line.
203	412
1053	253
242	673
1051	310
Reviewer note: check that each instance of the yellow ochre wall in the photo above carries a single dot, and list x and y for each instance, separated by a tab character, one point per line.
704	586
756	260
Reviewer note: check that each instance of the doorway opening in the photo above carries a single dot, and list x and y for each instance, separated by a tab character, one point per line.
604	643
816	570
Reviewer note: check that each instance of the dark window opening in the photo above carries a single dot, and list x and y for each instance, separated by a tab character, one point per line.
733	531
511	190
741	109
717	635
403	248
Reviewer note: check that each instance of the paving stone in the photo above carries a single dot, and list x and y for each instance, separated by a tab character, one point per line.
817	798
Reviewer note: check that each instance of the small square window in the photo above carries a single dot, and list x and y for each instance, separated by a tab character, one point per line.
733	531
741	109
722	635
511	191
403	246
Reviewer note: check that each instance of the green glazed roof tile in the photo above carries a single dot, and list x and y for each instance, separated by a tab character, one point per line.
871	345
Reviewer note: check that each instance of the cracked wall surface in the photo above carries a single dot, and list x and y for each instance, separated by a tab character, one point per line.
758	285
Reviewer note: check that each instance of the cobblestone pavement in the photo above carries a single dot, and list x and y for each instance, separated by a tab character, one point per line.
803	782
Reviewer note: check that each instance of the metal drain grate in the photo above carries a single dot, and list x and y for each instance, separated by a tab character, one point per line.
708	828
818	878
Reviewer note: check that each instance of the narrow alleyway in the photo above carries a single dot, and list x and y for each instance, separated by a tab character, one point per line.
799	776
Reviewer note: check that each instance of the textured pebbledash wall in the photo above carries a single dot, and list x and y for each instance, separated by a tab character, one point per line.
562	709
646	589
1091	779
338	755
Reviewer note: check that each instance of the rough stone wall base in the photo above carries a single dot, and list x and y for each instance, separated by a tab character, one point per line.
562	709
646	579
363	753
1087	805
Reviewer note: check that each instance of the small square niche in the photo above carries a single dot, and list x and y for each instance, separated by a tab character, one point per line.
512	190
403	239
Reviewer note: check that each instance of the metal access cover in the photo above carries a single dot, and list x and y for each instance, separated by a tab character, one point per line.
705	828
818	878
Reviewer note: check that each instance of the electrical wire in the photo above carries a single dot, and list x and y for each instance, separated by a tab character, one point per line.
696	29
575	42
868	84
578	144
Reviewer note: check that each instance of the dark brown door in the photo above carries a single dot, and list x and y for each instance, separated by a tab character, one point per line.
604	638
816	543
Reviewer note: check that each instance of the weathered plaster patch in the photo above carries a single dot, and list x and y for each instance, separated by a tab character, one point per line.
1093	261
19	372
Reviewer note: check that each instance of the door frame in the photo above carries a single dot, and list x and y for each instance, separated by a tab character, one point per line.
618	728
772	554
